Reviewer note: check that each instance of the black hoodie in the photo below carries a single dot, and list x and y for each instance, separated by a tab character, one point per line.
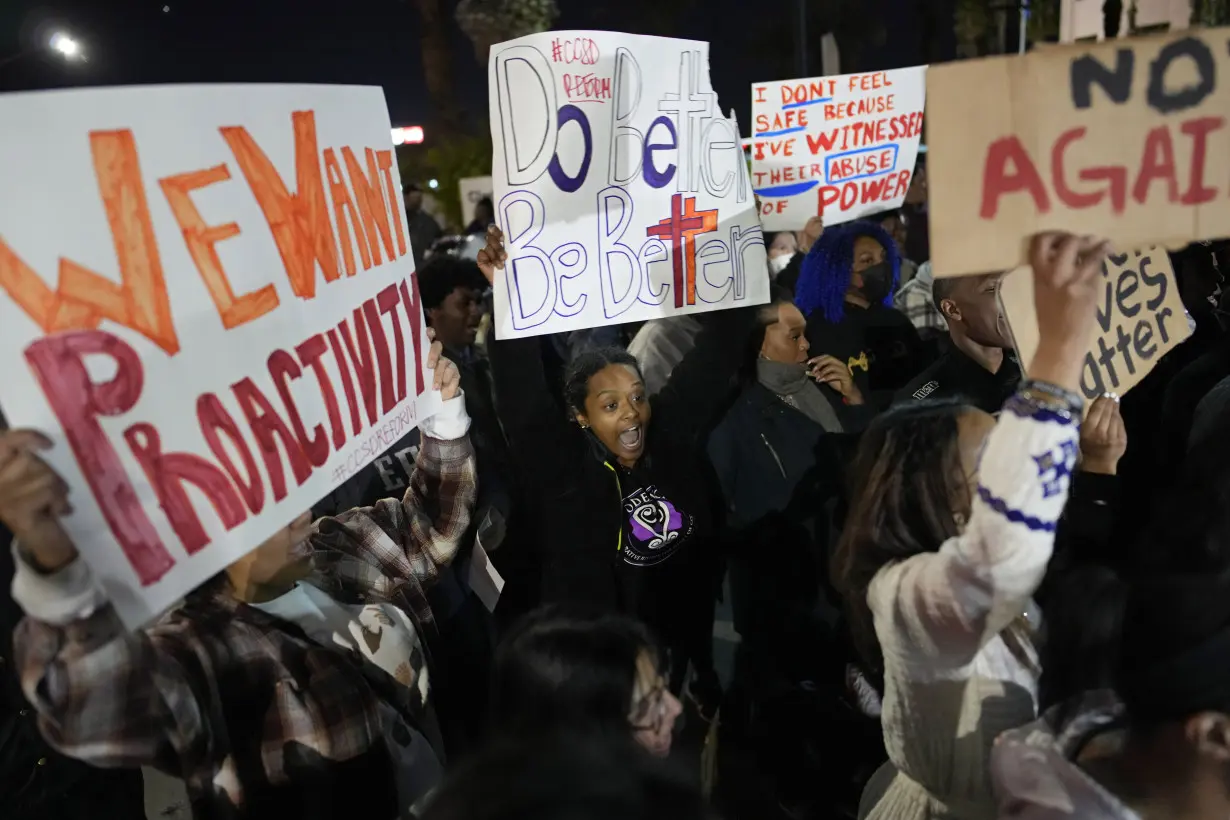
635	541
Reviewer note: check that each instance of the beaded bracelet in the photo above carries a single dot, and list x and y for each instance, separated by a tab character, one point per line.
1047	399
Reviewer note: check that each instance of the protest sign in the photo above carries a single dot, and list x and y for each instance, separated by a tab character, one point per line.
843	147
622	191
1140	319
472	189
207	300
1126	139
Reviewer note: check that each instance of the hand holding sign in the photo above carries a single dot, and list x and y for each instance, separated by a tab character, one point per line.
1067	270
32	499
446	377
492	257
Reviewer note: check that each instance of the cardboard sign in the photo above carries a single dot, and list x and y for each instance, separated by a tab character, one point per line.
622	191
472	189
1140	319
1126	139
843	147
207	300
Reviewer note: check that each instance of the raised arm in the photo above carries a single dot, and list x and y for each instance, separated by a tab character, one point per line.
103	695
942	607
700	385
429	523
534	422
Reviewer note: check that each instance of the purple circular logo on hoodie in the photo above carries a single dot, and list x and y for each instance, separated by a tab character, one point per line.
656	527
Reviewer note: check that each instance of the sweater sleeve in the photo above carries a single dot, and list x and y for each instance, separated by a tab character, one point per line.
942	607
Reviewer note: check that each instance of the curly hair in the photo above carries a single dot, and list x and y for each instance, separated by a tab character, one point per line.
826	270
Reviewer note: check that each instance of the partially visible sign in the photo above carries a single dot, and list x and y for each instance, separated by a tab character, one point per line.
1140	319
1126	139
621	188
844	147
208	301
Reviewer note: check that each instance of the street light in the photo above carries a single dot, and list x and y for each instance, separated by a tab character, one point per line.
60	42
66	45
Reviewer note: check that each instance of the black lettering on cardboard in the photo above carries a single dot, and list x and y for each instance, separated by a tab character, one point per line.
1164	101
1125	287
1157	280
1086	71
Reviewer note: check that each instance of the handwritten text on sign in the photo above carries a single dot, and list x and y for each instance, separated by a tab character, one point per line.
622	190
210	304
844	146
1140	319
1125	139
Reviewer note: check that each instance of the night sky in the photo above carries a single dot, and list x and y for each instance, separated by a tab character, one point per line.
366	42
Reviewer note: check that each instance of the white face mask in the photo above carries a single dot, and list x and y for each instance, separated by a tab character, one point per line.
777	264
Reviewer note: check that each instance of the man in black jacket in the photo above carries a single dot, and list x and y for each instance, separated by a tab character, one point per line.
978	363
35	782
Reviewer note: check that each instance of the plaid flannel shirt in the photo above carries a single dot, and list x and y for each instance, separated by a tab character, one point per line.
916	302
253	715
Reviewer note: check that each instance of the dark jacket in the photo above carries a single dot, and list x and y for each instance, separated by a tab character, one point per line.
578	492
37	783
878	344
766	452
780	473
956	375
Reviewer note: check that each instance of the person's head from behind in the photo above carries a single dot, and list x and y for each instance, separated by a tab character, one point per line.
564	670
452	292
605	393
912	488
856	262
1174	681
970	305
566	776
895	225
780	332
413	195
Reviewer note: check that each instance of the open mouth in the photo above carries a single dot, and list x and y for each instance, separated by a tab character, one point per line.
632	438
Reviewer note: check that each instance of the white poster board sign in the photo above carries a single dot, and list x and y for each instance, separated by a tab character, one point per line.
621	188
208	301
843	147
472	190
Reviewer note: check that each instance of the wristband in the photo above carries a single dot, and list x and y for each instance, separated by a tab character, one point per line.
1047	398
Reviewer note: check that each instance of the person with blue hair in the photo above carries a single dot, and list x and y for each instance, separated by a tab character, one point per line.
845	289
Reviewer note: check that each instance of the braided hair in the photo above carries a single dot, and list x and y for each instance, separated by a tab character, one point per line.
828	266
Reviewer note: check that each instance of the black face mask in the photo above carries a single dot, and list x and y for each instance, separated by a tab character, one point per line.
877	282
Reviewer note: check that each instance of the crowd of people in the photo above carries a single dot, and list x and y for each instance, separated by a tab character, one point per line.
959	591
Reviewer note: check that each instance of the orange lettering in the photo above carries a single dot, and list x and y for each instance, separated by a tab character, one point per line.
83	298
385	158
300	221
202	238
343	206
371	203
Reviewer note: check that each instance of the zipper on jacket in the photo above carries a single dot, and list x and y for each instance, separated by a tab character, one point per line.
619	544
773	453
